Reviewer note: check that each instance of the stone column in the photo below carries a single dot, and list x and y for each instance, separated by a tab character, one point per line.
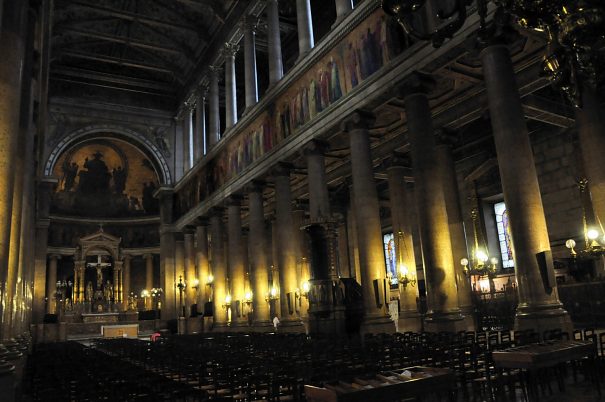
51	283
259	264
126	280
167	254
286	250
40	246
249	26
343	8
445	161
190	272
319	198
442	298
369	230
214	126
590	120
539	306
12	48
117	283
187	138
237	272
409	318
148	278
179	262
201	262
200	144
79	285
304	23
219	267
229	52
276	69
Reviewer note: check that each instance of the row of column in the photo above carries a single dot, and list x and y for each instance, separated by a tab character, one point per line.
121	279
197	140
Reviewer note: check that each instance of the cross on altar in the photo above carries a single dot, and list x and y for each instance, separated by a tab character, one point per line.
99	265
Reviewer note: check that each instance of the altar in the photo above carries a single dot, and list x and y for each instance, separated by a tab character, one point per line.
100	317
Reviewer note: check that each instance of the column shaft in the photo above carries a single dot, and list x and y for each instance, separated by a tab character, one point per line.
187	140
259	270
230	88
305	27
148	278
190	273
442	298
286	252
237	273
200	125
276	69
250	64
51	283
219	269
179	262
12	48
404	242
167	255
343	8
319	198
369	230
445	161
126	280
214	126
539	305
201	261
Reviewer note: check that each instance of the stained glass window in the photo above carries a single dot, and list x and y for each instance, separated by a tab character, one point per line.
504	235
389	256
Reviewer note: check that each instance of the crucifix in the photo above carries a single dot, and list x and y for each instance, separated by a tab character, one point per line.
99	265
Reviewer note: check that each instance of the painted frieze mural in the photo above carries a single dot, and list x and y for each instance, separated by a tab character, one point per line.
105	178
365	50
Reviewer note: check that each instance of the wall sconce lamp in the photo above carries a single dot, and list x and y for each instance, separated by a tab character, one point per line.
209	280
273	294
227	302
195	284
248	298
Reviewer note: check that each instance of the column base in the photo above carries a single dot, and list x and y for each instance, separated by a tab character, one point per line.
291	326
376	324
262	326
194	325
182	325
409	321
543	318
445	322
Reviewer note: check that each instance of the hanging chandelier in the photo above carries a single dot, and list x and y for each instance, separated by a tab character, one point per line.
594	235
575	30
478	263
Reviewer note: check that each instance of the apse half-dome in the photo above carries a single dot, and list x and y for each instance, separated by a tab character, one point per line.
105	177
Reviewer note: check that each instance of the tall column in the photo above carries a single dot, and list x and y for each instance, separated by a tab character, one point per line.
539	306
369	231
343	8
148	278
51	283
190	272
117	283
214	126
286	252
79	285
187	138
167	254
445	160
409	318
305	27
229	52
12	47
276	68
259	264
219	267
179	268
45	189
201	262
590	121
237	272
249	26
126	280
319	198
199	143
442	299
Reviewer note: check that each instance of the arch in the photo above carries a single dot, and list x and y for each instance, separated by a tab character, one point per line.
114	131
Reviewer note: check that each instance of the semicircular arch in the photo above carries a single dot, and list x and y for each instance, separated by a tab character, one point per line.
111	131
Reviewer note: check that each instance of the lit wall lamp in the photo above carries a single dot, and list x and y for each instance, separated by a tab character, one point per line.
195	284
248	298
273	294
227	303
181	286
